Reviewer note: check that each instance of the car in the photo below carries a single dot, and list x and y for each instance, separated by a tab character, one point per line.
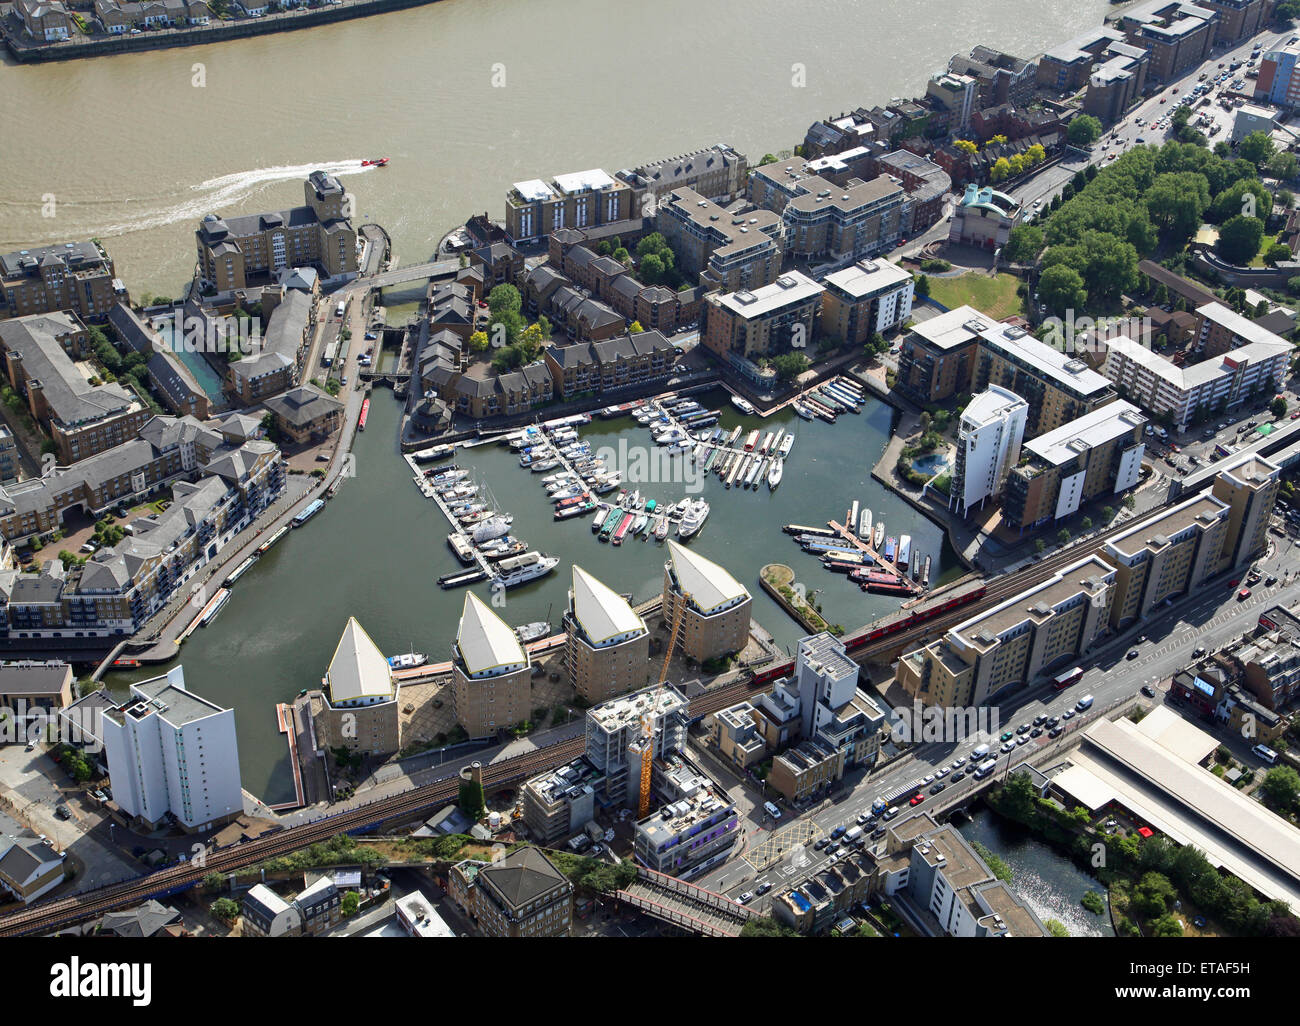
1068	714
1223	427
822	842
1133	653
938	787
763	888
371	336
1023	728
1270	580
1243	594
1174	448
746	898
1296	415
943	772
958	762
879	831
959	775
1036	732
917	798
1007	736
343	380
1040	719
1149	691
1056	732
62	812
834	858
1140	139
928	778
1023	739
1052	722
1008	747
1198	651
322	457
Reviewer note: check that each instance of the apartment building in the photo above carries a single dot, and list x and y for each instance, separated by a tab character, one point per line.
765	321
1166	556
869	298
989	436
75	276
833	710
169	377
725	251
173	756
958	94
1097	456
1002	78
736	735
37	685
277	365
1043	627
937	356
47	359
1162	388
696	826
1267	662
10	461
583	199
559	803
1278	81
607	647
610	285
1238	19
305	416
826	219
1067	67
716	173
236	252
805	769
521	895
319	906
615	741
265	914
1058	387
359	697
934	872
632	360
490	672
1177	35
984	218
1222	330
1116	84
710	607
44	20
924	183
1248	486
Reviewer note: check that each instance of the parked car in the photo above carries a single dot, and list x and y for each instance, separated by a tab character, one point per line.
746	898
917	798
763	888
1149	691
1056	732
1133	653
938	787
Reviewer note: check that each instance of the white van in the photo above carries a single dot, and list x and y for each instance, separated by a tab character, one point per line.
985	768
852	834
979	753
1084	703
772	810
338	310
1265	753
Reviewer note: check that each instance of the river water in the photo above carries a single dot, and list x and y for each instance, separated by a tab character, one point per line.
378	548
135	148
1048	882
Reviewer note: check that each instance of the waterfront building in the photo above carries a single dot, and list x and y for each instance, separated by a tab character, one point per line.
615	738
957	94
1010	644
984	218
1002	78
1097	456
46	360
711	607
737	736
724	250
717	173
277	365
607	645
169	378
989	436
520	895
305	415
695	827
1178	36
617	363
944	887
937	355
1200	390
1221	330
74	276
44	20
766	321
869	298
490	672
1057	386
360	697
173	756
38	685
236	252
583	199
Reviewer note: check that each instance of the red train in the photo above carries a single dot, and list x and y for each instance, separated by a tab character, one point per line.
916	616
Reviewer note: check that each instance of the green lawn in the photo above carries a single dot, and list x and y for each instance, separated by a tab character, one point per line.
993	296
1264	243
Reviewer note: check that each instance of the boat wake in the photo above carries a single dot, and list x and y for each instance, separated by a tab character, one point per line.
227	191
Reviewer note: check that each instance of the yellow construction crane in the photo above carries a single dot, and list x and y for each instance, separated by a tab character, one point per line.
647	720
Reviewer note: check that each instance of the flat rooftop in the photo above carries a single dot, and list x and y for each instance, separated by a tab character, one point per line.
790	288
1062	369
867	278
628	710
1155	533
1112	421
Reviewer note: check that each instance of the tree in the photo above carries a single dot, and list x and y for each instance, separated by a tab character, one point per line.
1274	254
1278	407
766	927
214	882
225	909
1282	787
1084	130
1056	928
1023	244
1282	165
1239	238
1167	926
1244	196
1039	545
789	366
1063	535
1061	288
1152	895
651	269
1086	523
504	298
1108	513
922	287
1000	170
351	902
471	800
478	342
1256	148
965	146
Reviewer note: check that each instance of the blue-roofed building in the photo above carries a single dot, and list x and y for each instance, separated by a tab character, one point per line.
984	218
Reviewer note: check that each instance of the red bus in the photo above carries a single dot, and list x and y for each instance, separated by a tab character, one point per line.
1063	680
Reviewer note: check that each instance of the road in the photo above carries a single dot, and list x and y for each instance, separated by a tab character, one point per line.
1211	617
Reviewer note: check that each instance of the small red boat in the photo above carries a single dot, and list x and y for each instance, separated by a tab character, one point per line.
380	162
